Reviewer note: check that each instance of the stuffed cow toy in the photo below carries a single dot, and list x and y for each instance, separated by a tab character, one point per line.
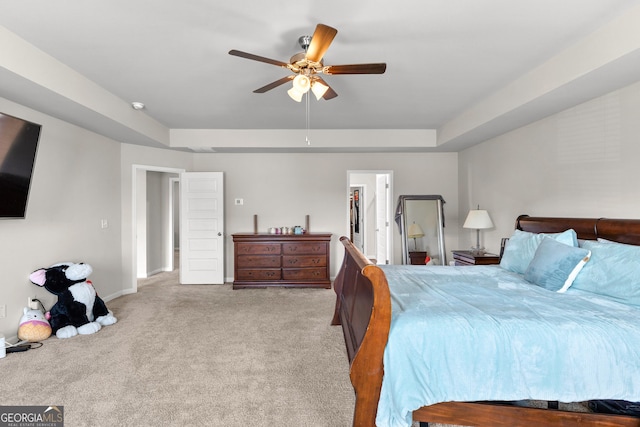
79	309
33	326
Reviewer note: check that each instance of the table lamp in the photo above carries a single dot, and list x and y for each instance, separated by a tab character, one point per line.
478	219
414	232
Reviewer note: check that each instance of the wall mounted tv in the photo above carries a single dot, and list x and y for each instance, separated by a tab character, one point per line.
18	145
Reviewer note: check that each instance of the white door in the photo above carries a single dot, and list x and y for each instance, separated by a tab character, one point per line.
382	219
201	228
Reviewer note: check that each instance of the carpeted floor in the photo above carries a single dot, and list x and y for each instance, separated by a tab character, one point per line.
185	355
195	355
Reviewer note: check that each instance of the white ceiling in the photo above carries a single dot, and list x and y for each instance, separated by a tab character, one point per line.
448	63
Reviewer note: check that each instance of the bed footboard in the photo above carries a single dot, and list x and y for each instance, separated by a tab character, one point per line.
363	308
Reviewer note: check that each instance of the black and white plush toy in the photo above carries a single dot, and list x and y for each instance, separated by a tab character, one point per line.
79	309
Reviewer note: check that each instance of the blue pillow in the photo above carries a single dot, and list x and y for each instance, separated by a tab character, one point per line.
521	248
614	271
556	265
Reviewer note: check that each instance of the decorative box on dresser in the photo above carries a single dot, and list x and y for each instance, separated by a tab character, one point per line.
474	258
291	260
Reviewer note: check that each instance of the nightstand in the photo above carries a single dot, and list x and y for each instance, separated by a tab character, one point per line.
417	258
471	258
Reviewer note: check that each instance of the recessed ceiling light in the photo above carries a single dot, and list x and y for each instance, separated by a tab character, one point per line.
137	105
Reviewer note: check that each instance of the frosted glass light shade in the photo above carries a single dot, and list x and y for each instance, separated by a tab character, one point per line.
319	89
302	83
295	94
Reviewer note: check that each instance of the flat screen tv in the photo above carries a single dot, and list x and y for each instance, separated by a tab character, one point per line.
18	145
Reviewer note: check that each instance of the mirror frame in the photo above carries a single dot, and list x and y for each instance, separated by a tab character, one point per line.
401	219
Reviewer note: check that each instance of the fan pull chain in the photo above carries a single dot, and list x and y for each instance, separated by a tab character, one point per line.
307	137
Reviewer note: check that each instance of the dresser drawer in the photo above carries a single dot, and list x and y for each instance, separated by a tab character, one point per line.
304	273
256	261
259	274
305	248
258	248
303	261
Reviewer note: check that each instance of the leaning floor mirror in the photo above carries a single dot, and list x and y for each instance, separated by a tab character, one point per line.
420	220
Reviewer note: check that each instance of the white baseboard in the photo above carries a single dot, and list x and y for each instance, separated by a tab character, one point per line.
117	294
156	271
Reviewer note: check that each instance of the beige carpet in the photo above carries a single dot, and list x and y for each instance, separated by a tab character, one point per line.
184	355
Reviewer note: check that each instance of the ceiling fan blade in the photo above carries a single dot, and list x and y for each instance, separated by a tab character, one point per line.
378	68
320	41
258	58
330	93
273	85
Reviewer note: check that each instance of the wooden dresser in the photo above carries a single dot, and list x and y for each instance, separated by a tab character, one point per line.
289	260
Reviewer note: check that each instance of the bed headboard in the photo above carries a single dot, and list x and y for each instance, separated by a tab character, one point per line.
618	230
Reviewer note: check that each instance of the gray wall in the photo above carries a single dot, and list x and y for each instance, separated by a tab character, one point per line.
75	185
580	162
282	188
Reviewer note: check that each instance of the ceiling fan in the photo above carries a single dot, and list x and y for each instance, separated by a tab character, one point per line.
307	66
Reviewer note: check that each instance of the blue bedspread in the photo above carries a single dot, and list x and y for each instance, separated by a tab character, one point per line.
483	333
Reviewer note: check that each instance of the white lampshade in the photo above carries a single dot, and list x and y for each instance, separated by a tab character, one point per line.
302	83
478	219
319	89
415	231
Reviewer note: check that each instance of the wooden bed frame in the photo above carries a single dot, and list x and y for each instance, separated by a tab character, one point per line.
363	308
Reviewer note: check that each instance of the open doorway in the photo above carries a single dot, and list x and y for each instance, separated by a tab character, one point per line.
153	210
174	199
369	213
357	222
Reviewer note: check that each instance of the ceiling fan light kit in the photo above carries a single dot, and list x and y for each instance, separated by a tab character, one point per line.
307	66
302	84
